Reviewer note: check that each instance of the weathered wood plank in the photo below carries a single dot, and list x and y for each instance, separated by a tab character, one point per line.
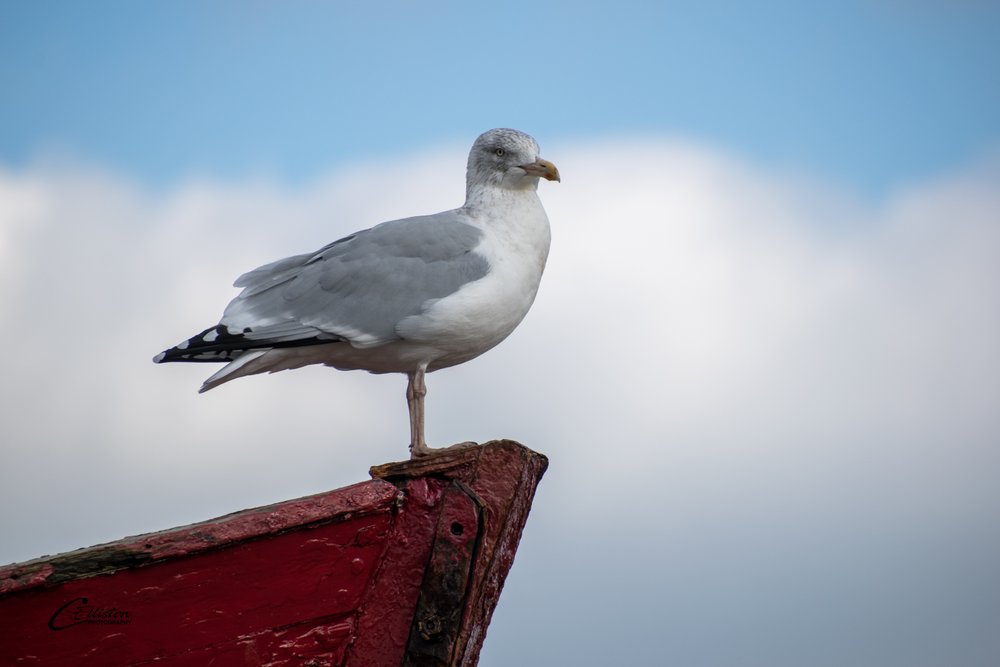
404	569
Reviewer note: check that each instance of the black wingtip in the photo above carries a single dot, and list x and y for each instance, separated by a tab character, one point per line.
217	345
214	344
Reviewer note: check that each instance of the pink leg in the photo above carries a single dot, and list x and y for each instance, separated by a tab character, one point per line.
416	389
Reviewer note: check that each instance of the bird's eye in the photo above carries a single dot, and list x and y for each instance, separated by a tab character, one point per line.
499	152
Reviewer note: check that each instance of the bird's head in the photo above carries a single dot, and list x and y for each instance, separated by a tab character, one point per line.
507	159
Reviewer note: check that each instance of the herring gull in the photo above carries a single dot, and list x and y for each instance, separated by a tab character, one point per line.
406	296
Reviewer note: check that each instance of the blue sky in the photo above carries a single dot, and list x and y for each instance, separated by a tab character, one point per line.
872	94
763	360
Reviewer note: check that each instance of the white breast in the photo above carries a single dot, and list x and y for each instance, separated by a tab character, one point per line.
482	313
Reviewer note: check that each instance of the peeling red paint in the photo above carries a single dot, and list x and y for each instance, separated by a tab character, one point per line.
394	571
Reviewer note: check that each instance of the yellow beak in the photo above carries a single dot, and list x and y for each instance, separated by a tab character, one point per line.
542	169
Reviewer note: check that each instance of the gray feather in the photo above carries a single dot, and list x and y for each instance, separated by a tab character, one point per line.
361	286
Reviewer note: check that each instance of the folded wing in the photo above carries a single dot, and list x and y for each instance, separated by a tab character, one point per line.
354	290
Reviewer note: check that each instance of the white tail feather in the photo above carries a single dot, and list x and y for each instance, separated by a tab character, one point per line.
231	370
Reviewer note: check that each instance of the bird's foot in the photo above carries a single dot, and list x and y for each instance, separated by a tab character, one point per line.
421	450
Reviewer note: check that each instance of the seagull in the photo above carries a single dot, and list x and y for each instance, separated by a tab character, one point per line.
406	296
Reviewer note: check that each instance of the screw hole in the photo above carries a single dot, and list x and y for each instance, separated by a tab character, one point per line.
457	528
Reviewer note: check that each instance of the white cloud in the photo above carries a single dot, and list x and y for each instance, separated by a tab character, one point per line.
749	385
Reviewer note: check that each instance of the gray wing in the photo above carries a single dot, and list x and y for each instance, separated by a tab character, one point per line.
360	287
